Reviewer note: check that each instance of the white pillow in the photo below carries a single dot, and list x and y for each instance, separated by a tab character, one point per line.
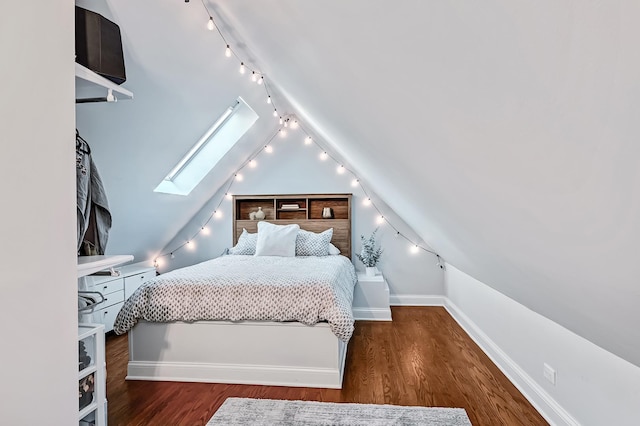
333	250
313	244
276	240
246	244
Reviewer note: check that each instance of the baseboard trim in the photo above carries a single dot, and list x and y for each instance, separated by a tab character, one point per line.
235	374
548	407
371	314
416	300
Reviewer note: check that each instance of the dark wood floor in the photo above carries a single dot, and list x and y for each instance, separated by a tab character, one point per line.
421	358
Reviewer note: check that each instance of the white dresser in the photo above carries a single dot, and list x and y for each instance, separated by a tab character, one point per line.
116	289
371	299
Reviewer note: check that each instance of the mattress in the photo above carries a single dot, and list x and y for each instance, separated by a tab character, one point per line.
259	288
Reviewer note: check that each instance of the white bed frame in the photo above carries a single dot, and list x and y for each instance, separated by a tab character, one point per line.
249	352
246	352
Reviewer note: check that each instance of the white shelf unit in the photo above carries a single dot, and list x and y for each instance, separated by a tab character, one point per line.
91	87
94	413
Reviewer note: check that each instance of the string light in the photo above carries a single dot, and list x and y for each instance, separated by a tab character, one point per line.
283	133
413	247
217	213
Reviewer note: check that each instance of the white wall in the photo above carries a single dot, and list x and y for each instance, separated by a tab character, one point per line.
137	142
593	386
295	168
508	131
38	359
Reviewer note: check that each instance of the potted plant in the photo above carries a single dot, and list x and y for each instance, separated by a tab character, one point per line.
370	254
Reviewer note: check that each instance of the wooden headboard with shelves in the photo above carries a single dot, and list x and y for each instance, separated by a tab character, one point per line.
307	214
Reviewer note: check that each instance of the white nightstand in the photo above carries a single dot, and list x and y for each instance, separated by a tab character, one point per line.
371	299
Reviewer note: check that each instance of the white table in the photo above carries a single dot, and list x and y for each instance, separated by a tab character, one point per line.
371	299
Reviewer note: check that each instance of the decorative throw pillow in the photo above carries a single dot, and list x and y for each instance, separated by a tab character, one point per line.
312	244
246	244
333	250
276	240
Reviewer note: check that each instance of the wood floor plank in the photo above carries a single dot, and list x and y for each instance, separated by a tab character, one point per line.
421	358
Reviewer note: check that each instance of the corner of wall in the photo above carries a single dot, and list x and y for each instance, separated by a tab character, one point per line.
593	386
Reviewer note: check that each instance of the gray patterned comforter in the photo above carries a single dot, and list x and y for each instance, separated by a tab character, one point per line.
259	288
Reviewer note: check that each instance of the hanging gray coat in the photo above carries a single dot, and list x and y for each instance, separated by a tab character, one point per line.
91	197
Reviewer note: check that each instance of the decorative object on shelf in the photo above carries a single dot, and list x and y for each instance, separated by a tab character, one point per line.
252	215
260	214
370	254
290	207
327	213
85	390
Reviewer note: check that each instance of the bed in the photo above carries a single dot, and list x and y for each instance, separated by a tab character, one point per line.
293	330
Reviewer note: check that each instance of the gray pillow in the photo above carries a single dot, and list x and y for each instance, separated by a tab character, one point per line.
246	244
312	244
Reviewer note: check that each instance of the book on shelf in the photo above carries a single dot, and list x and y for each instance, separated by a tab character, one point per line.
290	207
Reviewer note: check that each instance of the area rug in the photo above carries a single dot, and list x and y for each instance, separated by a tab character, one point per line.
245	411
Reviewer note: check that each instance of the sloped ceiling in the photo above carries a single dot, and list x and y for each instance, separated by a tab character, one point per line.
505	133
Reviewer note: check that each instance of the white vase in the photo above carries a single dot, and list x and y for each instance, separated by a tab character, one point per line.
370	271
259	214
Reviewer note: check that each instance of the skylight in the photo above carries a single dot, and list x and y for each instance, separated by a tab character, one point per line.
210	148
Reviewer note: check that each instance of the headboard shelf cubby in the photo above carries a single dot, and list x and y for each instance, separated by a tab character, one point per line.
313	212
